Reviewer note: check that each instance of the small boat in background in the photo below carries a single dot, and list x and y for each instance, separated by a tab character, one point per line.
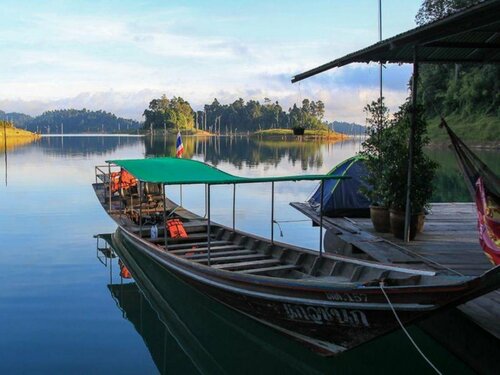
330	302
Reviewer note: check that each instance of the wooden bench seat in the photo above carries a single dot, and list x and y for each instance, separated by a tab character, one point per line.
232	258
190	238
246	265
182	246
195	256
281	267
161	240
205	249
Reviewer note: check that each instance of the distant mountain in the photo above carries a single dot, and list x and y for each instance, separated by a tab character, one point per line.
72	121
19	119
347	128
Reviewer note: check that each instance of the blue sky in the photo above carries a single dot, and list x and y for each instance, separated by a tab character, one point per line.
118	55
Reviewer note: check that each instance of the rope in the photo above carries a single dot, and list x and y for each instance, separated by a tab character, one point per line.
426	259
406	332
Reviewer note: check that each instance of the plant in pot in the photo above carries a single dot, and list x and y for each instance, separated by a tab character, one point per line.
395	171
375	147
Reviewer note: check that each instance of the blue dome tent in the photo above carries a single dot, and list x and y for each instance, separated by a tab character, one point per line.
342	197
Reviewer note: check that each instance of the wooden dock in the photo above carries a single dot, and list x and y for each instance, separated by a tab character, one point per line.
449	240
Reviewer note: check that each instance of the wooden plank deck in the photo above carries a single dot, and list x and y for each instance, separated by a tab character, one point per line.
450	239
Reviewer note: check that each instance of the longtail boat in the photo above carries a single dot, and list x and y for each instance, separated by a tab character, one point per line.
330	302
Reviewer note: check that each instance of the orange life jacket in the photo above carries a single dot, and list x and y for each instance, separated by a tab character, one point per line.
176	228
115	181
122	179
124	272
127	180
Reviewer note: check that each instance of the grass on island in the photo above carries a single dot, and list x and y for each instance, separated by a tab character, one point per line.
474	130
308	134
16	137
13	132
194	132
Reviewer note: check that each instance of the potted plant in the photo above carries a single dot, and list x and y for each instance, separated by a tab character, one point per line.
396	171
374	148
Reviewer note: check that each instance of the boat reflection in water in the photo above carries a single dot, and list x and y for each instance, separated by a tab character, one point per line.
187	332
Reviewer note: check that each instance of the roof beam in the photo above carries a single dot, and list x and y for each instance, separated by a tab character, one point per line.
463	45
479	24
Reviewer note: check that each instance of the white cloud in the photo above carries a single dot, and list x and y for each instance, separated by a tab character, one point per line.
119	62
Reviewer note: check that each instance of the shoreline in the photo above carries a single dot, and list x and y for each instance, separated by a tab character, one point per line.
287	134
12	132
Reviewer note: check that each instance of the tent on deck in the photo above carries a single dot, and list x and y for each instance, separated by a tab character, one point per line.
343	197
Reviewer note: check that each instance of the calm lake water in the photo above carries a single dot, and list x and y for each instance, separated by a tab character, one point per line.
64	308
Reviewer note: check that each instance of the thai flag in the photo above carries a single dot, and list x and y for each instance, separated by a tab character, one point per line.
179	146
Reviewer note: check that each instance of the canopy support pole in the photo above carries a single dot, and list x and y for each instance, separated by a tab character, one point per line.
206	209
411	144
140	207
321	220
109	180
234	206
208	224
272	212
164	190
180	193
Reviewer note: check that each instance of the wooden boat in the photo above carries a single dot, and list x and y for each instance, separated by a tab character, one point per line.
330	302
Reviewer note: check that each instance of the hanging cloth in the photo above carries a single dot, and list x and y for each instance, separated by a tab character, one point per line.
484	186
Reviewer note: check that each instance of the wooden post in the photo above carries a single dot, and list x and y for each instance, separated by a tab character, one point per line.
5	148
411	144
380	39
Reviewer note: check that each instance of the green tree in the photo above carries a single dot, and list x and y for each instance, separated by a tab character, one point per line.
175	113
432	10
461	89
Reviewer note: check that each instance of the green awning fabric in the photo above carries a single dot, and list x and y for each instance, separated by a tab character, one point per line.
174	171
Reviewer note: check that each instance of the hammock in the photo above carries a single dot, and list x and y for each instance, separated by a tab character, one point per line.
484	186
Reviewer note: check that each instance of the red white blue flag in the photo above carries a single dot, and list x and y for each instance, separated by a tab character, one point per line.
179	146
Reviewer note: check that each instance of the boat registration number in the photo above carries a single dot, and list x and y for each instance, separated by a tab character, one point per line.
347	297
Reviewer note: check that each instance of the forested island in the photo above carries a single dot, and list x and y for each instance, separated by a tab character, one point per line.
239	116
73	121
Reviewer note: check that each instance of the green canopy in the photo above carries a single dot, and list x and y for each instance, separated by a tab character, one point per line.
175	171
